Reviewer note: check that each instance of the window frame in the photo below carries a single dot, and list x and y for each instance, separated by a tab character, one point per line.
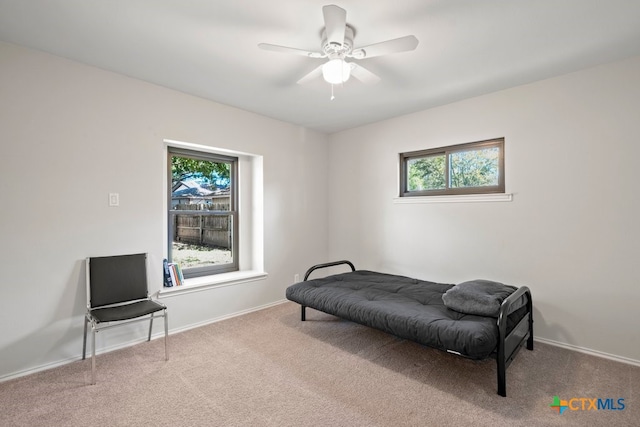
233	211
447	151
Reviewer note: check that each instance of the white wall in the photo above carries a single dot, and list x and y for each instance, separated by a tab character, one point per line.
571	232
70	134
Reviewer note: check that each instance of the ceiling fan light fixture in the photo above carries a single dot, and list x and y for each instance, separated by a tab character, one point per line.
336	71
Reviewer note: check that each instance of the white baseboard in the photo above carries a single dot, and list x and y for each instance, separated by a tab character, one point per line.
40	368
225	317
159	334
589	351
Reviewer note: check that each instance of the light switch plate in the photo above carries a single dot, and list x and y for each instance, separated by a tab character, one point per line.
114	199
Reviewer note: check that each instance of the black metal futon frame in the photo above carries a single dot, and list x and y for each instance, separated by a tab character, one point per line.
509	340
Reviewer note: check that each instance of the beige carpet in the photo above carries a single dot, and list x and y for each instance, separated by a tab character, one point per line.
269	369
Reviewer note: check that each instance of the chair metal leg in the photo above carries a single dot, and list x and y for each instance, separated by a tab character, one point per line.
93	355
166	334
84	341
150	326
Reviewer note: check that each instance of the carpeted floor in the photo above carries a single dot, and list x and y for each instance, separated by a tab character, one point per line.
270	369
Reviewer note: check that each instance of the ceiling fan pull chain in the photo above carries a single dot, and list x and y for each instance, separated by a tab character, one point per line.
332	97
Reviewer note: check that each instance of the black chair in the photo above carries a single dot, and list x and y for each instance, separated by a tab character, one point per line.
117	294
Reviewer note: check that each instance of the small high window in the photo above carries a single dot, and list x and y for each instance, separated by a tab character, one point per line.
472	168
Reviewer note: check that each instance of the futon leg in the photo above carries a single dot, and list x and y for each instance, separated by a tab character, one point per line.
502	378
303	313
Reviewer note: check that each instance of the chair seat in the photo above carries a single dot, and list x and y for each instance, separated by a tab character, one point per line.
126	311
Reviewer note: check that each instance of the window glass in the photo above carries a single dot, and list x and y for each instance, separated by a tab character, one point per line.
202	212
426	173
473	168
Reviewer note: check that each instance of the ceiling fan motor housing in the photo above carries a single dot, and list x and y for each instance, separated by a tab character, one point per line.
337	50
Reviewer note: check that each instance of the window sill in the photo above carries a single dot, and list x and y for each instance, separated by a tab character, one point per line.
197	284
467	198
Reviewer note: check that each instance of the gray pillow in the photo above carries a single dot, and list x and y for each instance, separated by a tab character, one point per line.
480	297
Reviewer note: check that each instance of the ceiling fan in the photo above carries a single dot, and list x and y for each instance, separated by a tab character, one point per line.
337	45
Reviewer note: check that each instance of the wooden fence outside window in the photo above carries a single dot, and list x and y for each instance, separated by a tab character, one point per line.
212	230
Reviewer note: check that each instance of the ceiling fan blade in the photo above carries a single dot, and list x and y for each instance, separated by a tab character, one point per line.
362	74
285	49
335	22
317	72
401	44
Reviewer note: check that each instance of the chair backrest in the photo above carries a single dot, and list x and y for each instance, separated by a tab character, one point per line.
116	279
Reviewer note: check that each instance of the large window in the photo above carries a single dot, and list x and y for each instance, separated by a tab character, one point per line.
473	168
202	212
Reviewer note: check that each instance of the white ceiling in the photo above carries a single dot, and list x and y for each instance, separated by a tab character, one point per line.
209	48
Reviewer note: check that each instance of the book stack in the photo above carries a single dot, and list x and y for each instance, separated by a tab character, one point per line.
172	274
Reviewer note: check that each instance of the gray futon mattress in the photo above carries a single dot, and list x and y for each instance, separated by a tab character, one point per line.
405	307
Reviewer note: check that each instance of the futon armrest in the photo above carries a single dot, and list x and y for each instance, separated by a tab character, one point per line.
328	264
512	303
